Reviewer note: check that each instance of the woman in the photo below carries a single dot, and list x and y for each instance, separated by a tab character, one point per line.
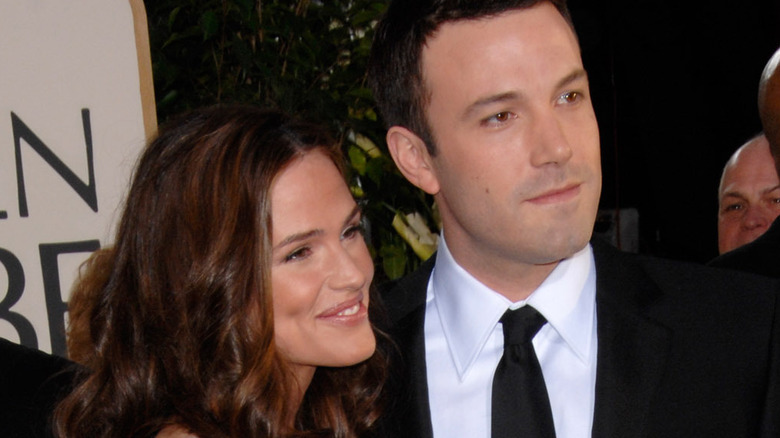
234	300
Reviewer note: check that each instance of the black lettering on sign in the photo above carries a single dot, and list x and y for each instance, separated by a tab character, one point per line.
55	306
87	192
13	267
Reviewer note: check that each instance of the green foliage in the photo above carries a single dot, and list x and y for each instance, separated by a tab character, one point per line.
306	57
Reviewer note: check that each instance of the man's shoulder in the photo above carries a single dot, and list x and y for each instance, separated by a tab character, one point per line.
688	276
651	279
692	328
404	295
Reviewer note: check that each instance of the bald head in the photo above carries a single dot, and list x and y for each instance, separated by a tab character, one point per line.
749	195
769	105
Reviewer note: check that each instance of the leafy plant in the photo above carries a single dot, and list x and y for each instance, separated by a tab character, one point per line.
306	57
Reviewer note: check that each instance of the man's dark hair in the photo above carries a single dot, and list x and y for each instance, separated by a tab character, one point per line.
395	67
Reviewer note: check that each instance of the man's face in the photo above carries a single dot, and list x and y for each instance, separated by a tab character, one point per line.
749	196
517	161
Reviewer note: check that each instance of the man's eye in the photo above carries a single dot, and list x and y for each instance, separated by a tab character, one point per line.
499	118
502	116
570	97
733	207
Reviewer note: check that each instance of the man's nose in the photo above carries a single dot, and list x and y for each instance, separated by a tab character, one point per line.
551	144
756	217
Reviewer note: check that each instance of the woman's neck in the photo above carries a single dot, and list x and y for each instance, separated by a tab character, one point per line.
302	377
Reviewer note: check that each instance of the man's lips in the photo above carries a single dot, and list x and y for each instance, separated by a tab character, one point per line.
558	195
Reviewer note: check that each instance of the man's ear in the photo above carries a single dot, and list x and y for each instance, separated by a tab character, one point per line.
411	156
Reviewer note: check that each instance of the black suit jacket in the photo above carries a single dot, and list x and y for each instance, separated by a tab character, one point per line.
761	256
31	383
683	351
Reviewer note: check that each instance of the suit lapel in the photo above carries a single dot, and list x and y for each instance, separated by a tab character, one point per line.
415	411
632	348
409	414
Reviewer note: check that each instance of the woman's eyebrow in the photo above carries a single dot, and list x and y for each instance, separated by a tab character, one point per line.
356	212
297	237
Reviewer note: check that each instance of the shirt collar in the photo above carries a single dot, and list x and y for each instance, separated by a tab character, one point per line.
469	310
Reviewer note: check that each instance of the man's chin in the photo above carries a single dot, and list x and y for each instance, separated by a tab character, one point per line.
563	249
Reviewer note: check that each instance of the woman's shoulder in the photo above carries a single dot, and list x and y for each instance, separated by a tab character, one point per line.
175	431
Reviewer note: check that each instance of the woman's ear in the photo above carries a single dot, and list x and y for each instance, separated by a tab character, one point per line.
412	158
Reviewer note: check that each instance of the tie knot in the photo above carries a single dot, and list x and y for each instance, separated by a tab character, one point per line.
521	325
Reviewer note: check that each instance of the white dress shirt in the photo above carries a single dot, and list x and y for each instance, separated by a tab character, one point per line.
464	342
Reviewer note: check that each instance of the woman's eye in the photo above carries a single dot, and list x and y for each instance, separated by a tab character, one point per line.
352	231
298	254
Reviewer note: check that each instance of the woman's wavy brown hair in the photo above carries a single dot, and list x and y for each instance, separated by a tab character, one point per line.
174	322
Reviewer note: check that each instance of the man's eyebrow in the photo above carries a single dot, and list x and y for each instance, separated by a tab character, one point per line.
489	100
572	77
512	95
771	189
733	194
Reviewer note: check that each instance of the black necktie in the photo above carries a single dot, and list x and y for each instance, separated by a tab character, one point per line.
521	408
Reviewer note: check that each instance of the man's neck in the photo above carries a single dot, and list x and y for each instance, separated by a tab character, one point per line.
516	281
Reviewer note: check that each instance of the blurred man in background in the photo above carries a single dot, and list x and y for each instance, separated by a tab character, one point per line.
748	196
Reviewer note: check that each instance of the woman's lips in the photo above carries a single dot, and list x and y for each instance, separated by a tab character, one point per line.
351	311
557	195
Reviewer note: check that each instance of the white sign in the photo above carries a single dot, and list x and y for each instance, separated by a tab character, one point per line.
77	105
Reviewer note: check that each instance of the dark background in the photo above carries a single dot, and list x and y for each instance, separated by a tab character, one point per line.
674	86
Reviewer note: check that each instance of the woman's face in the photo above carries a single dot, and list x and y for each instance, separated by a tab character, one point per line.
321	268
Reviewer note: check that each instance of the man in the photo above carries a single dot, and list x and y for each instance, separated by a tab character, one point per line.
489	111
762	256
748	195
